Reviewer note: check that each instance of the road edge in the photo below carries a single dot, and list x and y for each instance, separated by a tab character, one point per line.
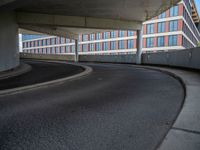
21	69
184	133
87	71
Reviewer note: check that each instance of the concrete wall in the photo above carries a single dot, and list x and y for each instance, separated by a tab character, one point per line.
108	58
180	58
9	53
47	56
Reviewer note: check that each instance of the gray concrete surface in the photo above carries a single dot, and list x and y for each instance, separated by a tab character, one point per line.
47	56
180	58
82	58
90	14
21	69
108	58
185	133
116	107
179	140
9	54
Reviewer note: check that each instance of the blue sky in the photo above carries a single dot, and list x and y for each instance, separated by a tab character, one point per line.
198	5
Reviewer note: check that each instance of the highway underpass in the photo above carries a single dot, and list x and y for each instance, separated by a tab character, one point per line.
69	18
114	107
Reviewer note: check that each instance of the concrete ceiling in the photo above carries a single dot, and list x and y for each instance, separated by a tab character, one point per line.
133	10
58	17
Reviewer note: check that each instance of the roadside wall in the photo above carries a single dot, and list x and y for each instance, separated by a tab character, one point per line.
47	56
108	58
178	58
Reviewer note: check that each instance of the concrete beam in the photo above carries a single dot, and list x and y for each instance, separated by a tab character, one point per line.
37	19
50	31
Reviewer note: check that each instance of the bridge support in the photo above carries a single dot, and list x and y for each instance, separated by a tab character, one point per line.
76	56
139	47
9	51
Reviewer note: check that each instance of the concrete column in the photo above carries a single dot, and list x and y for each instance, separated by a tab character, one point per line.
20	43
9	46
139	47
76	51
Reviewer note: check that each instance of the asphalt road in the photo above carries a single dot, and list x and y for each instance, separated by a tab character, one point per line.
117	107
40	72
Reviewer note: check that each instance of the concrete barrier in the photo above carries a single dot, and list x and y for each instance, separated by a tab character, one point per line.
179	58
47	56
108	58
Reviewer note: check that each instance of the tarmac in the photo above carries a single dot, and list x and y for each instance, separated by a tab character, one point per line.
113	107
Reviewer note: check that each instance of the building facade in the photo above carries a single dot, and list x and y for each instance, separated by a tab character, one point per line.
174	29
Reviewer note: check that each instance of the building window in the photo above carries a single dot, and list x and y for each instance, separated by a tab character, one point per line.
84	48
161	27
113	34
52	41
113	45
130	33
160	41
150	28
173	25
62	40
72	48
91	37
98	46
98	36
174	11
67	49
92	47
105	35
57	40
130	44
121	44
121	33
62	49
173	40
163	15
48	51
105	45
57	50
48	41
43	42
67	40
150	42
85	38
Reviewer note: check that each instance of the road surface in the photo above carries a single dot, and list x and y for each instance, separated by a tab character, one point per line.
117	107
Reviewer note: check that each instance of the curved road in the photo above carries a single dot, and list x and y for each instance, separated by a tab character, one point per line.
117	107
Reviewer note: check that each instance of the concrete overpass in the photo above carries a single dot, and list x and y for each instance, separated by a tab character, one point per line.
72	17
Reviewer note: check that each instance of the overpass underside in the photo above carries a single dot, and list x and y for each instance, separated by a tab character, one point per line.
69	18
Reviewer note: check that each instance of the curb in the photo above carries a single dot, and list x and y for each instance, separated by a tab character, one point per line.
184	133
175	76
87	71
22	69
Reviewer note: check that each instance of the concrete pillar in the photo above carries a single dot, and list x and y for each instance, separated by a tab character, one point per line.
76	51
9	46
139	47
20	43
